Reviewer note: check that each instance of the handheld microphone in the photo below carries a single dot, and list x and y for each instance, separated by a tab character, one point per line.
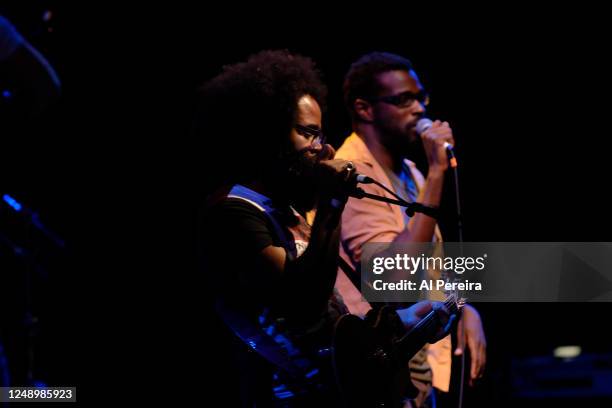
423	125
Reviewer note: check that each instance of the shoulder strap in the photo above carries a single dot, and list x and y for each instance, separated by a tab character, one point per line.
264	204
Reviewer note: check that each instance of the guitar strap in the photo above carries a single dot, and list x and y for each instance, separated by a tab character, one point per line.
349	272
357	282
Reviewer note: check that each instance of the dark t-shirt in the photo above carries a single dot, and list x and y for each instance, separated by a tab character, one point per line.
232	235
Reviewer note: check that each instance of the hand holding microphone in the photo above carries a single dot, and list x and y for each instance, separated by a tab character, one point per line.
438	142
338	177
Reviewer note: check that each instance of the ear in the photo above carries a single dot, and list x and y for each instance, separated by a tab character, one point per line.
363	110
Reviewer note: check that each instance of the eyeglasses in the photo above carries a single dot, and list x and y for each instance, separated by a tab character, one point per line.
404	99
316	135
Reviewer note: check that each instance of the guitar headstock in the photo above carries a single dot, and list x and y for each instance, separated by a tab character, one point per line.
453	302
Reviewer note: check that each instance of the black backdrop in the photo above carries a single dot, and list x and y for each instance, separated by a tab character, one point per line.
114	169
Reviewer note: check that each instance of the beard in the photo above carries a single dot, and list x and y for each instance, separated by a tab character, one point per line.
294	179
402	141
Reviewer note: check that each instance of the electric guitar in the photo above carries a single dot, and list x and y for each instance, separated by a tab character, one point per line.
370	356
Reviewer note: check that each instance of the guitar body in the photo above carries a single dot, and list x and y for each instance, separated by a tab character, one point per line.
370	357
367	373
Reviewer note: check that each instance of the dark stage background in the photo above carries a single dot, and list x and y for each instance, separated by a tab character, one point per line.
114	170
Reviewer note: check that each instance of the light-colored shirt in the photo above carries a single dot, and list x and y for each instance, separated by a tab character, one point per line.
373	221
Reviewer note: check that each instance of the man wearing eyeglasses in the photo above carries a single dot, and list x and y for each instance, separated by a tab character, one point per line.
385	100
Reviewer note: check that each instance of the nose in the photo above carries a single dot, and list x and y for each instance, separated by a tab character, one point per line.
312	148
420	107
316	143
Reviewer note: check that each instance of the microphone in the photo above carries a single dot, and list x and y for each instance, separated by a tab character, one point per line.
360	178
353	180
423	125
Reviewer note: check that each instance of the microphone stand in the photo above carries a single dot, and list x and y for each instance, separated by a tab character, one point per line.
411	208
460	341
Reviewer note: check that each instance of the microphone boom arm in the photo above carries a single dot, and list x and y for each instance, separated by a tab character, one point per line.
411	208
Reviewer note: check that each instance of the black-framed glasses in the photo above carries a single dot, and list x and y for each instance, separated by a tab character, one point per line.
404	99
315	135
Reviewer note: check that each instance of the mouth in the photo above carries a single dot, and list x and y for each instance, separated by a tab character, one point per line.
411	127
413	123
412	132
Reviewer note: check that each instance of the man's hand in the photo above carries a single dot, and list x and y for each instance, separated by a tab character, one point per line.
470	331
433	143
318	168
415	313
333	175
